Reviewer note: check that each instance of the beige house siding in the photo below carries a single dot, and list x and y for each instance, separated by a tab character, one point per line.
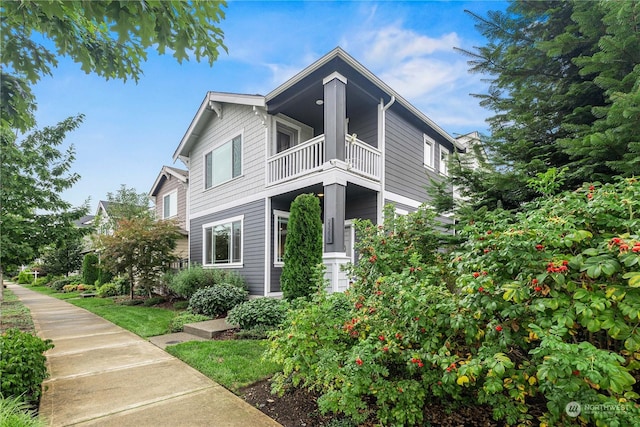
170	184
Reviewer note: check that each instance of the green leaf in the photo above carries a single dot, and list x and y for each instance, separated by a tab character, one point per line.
634	278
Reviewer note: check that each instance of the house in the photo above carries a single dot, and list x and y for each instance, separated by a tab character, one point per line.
335	130
169	196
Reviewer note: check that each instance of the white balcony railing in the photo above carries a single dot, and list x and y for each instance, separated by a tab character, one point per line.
297	161
362	158
308	157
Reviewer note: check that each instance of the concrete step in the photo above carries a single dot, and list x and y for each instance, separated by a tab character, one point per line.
209	328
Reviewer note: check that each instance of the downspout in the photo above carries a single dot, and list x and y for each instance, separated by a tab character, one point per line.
382	138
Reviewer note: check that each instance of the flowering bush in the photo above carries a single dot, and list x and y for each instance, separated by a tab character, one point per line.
539	308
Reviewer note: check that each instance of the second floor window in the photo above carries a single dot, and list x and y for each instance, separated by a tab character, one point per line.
170	205
286	137
429	148
223	163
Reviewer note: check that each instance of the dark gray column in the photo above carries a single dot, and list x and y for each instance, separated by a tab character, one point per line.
334	206
335	115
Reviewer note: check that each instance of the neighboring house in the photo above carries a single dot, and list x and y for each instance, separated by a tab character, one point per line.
335	130
169	196
101	218
86	221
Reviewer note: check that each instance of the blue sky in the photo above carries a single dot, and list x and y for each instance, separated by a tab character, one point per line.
131	130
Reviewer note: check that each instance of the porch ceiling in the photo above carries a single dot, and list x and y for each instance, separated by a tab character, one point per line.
299	100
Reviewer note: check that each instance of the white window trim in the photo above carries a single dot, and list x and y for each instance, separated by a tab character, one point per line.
277	214
443	167
169	194
274	136
352	231
204	242
430	162
225	140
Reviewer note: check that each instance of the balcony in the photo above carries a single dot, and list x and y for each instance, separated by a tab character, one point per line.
308	157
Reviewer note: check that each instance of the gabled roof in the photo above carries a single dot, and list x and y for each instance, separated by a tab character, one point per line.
84	221
209	106
336	60
180	174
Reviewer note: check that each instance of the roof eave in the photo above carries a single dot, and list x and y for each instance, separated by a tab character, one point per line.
223	97
340	53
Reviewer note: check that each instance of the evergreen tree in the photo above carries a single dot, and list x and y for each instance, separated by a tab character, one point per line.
565	92
90	269
302	248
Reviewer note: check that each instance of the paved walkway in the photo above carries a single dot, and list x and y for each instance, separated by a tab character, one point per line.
103	375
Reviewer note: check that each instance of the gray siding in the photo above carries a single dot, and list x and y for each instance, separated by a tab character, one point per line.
365	126
253	235
235	119
362	207
404	151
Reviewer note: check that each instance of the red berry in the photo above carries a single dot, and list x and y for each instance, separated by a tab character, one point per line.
449	369
636	249
539	247
385	348
420	364
476	274
484	273
498	328
373	258
589	196
616	240
489	232
534	281
486	251
359	361
591	188
576	372
381	337
537	288
624	247
480	289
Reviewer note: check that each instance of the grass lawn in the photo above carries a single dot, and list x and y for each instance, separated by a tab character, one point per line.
143	321
231	363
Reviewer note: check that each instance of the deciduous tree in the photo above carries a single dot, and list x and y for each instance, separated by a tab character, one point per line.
33	174
109	38
140	248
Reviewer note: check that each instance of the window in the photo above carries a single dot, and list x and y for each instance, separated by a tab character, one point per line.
223	163
170	205
429	147
286	137
280	222
223	242
444	161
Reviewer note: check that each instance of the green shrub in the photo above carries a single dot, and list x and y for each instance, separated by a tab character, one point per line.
59	284
90	270
149	302
303	247
180	305
264	312
41	281
85	288
178	322
25	277
131	302
14	412
544	311
107	290
217	299
23	364
70	288
123	286
187	282
256	333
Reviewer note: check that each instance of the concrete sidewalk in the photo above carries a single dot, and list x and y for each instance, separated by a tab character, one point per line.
103	375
